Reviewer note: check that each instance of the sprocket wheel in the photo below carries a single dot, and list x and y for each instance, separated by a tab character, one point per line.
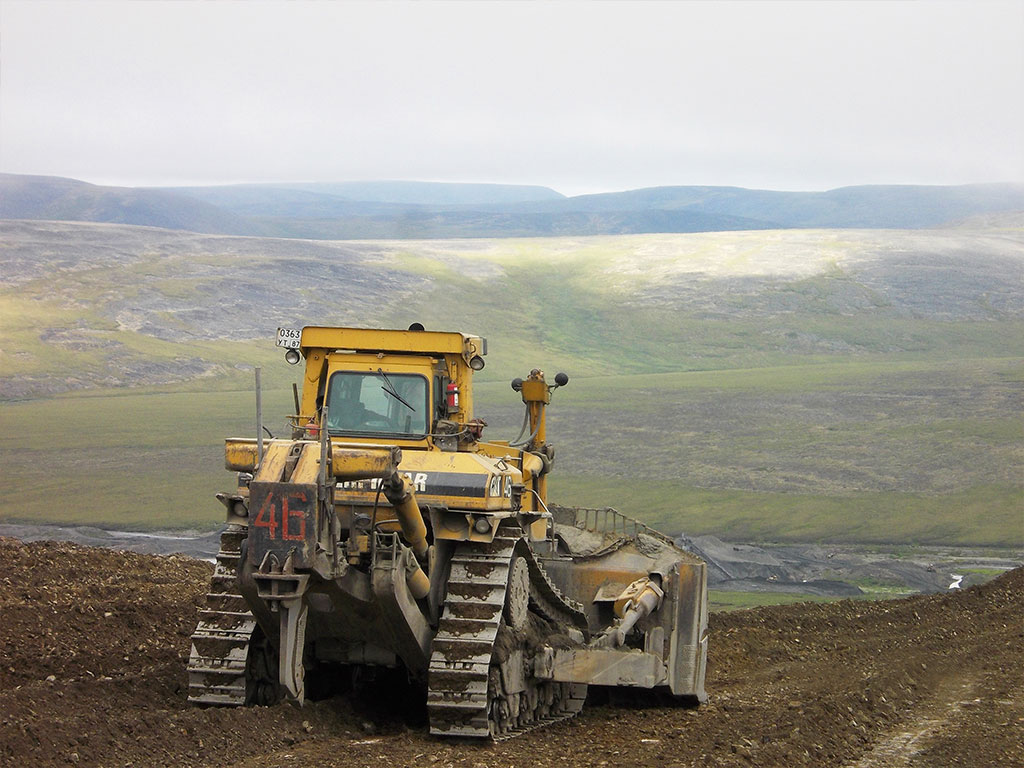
518	701
517	600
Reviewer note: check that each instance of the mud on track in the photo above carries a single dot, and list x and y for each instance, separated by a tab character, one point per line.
93	645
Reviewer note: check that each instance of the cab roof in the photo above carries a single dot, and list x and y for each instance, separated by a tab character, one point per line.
407	342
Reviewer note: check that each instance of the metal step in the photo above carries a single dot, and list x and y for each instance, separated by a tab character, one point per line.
226	601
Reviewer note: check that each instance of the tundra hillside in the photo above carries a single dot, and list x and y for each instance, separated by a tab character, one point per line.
843	385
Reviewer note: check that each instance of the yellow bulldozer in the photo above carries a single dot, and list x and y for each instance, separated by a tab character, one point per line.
386	531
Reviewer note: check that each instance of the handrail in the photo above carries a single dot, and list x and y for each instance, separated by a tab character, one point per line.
609	520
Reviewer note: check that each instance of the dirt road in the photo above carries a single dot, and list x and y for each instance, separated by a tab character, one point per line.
93	645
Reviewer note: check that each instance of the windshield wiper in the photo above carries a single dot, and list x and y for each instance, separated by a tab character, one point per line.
390	389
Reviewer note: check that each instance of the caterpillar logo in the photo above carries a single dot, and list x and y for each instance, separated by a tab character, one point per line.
442	484
418	481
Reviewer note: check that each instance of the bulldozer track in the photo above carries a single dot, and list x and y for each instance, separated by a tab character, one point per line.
548	600
219	657
574	705
467	693
460	659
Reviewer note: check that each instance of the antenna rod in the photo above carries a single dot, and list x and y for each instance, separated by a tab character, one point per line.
259	418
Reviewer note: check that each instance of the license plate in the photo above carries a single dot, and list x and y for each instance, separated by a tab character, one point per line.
288	338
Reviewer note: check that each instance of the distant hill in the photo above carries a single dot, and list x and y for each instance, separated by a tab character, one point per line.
60	199
429	223
874	207
431	192
387	198
427	210
1014	220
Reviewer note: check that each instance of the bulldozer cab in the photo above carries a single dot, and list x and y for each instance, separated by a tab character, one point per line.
399	387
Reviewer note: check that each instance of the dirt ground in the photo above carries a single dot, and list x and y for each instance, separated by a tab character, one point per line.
93	644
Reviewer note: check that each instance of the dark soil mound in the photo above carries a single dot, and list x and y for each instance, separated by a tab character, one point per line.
93	645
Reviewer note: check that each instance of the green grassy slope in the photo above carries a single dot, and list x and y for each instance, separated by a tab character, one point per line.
923	452
147	461
690	458
813	385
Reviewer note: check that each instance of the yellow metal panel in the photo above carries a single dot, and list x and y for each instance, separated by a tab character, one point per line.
532	465
274	457
444	461
239	454
315	362
348	460
391	363
369	340
308	466
354	462
535	391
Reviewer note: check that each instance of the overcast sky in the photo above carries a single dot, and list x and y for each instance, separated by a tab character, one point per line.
581	97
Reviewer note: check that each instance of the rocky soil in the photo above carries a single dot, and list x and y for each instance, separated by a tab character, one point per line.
93	644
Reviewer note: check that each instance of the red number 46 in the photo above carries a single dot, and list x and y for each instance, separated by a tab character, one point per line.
268	517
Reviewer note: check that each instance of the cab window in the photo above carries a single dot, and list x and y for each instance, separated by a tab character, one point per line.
364	403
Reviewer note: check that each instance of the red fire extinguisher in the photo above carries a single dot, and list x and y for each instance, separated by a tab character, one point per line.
452	393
